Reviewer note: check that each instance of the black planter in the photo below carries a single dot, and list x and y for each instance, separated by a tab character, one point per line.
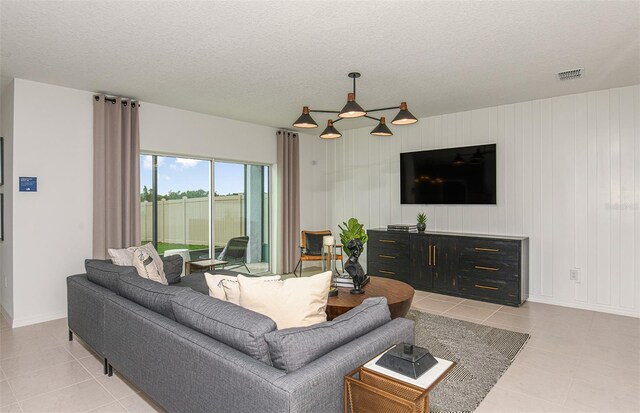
421	227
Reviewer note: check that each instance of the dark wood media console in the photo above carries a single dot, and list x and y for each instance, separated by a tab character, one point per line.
481	267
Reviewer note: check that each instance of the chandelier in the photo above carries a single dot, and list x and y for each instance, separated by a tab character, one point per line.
353	110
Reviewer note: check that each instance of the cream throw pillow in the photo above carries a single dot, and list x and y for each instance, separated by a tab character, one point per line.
294	302
122	256
225	287
148	266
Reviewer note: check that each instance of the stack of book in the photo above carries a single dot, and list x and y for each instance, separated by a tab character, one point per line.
345	281
402	227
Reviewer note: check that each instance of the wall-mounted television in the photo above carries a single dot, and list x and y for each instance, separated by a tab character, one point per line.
459	176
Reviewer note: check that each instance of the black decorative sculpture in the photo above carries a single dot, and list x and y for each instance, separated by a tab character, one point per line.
353	267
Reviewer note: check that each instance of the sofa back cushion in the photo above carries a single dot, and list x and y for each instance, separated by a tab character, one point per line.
228	323
293	348
149	294
105	273
173	265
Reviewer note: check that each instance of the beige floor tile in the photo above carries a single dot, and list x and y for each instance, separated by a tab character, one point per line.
510	320
421	294
561	345
49	379
114	407
562	328
430	305
78	349
547	361
2	376
140	403
503	327
473	313
77	398
4	324
12	408
6	394
30	362
528	309
481	304
460	317
501	400
622	357
596	371
552	387
118	386
446	298
94	364
604	397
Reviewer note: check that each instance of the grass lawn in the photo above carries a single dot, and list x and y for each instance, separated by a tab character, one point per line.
163	246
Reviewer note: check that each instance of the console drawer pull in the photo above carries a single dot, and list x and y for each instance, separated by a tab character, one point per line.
387	240
486	287
487	249
391	257
478	267
387	272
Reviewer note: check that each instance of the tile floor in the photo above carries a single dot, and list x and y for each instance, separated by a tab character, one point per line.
575	361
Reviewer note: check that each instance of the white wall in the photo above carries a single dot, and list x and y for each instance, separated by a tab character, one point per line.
6	246
53	132
568	178
53	127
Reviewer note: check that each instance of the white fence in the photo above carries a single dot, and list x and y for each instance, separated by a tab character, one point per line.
186	220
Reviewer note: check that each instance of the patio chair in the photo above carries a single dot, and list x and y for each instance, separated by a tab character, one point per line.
311	248
235	253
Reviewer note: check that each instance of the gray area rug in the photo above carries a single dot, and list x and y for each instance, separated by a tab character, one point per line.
483	354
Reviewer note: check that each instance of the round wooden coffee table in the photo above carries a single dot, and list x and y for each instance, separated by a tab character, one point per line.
399	296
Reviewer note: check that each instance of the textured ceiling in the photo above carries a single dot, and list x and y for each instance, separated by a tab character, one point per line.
260	61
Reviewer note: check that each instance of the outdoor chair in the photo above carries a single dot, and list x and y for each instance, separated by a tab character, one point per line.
235	253
311	248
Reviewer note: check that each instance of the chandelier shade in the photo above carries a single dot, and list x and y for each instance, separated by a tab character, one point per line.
404	117
353	110
330	131
382	129
305	120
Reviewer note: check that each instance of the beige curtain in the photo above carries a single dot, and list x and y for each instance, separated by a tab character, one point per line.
289	190
116	174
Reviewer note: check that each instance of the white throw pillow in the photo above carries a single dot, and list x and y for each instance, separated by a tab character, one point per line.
148	266
225	287
122	256
295	302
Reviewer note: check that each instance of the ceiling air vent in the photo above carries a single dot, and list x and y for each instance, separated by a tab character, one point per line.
570	74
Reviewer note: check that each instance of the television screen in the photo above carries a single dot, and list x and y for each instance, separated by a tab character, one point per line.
465	175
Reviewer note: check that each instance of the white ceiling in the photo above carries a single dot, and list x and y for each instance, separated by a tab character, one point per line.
260	61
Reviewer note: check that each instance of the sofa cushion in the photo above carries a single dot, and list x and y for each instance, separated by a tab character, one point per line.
121	256
149	294
173	265
148	266
228	323
293	348
105	273
294	302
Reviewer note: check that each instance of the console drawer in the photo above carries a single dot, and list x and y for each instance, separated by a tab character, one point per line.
390	255
489	269
388	240
386	270
489	249
490	289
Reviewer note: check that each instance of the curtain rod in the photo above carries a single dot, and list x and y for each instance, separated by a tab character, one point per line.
113	100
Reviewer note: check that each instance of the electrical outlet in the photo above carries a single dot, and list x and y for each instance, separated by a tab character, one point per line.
574	274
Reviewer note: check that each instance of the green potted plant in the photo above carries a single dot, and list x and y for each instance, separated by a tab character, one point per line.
422	221
352	229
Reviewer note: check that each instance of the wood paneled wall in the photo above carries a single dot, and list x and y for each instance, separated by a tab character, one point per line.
568	177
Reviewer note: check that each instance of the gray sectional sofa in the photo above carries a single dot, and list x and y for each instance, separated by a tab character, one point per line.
194	353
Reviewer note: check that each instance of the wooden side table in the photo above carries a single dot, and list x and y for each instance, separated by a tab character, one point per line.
374	389
202	265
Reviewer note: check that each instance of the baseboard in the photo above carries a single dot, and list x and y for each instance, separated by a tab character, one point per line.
6	315
585	306
37	319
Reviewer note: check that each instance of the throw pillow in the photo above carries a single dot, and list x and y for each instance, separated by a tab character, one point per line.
148	266
122	256
226	288
295	302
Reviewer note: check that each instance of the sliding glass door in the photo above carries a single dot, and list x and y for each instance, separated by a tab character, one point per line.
175	204
241	215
